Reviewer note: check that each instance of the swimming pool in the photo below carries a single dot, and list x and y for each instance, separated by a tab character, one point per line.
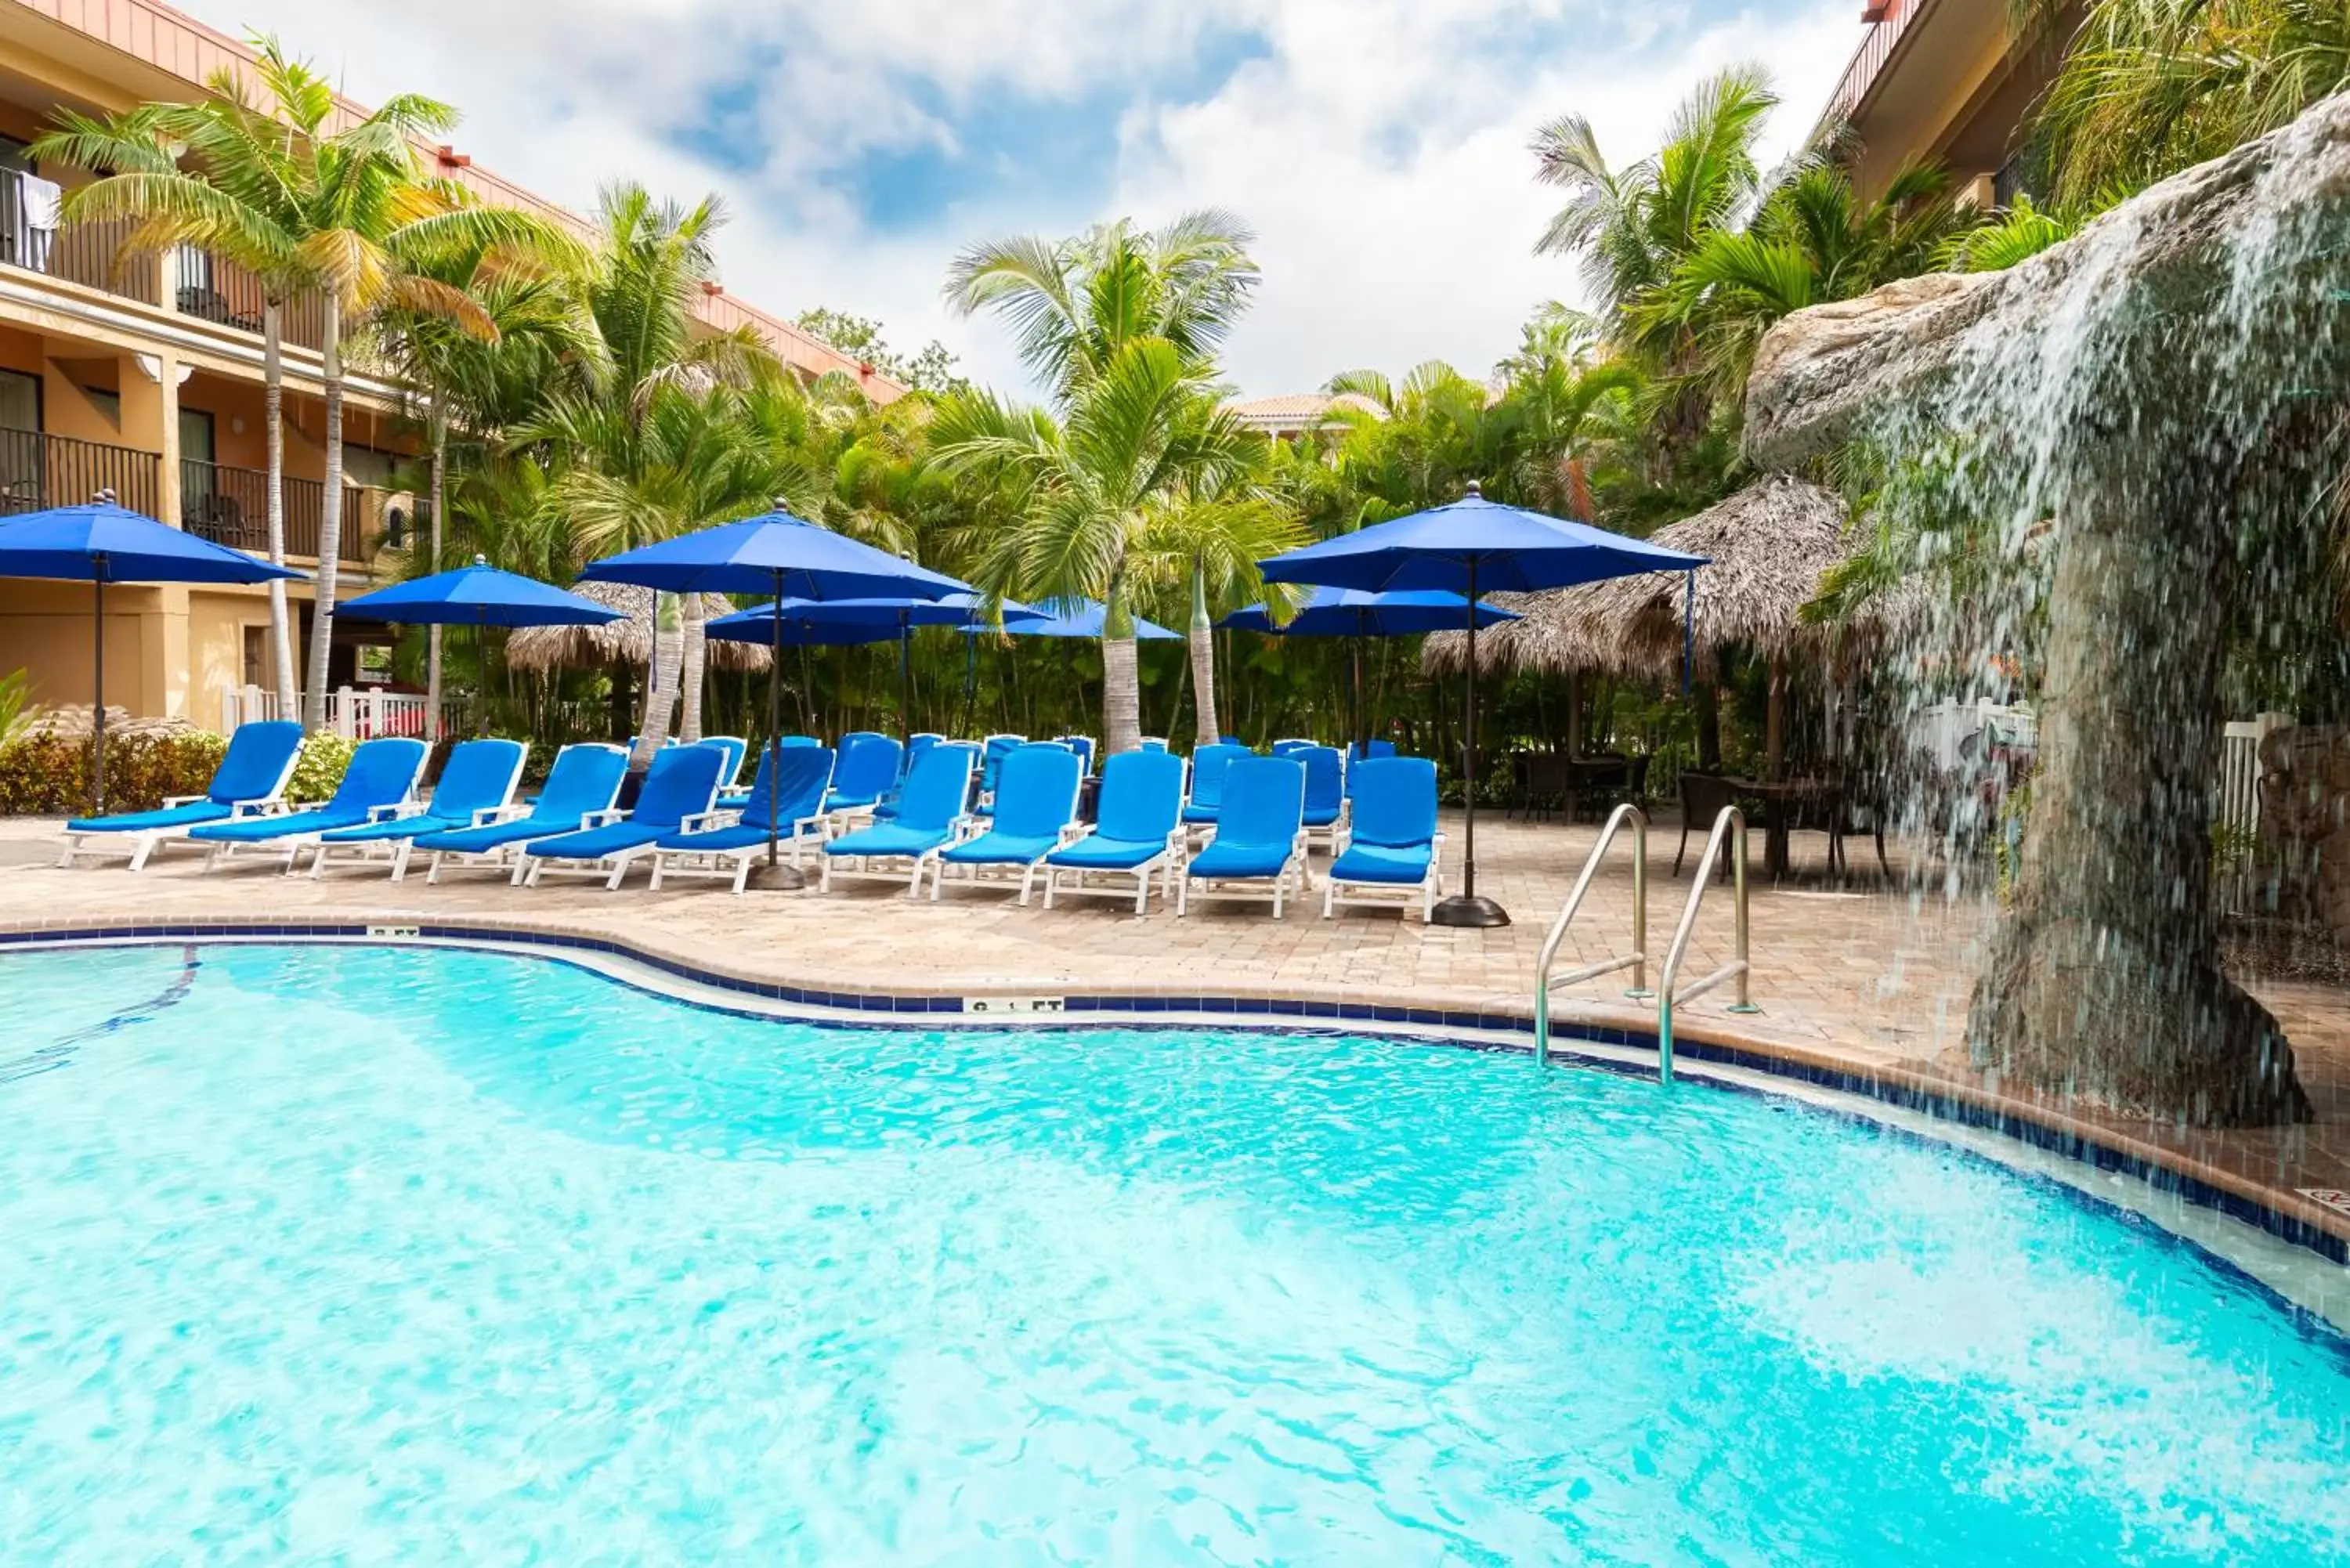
442	1256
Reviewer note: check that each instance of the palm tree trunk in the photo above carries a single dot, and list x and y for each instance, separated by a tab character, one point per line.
1204	661
661	691
330	520
1121	677
693	650
432	633
273	402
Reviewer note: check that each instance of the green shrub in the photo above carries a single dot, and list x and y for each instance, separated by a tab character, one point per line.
320	767
15	695
49	775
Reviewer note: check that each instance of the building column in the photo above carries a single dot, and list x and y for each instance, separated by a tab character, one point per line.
150	421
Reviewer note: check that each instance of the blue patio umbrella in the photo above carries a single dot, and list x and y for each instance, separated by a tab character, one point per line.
785	557
1358	613
1469	546
840	623
101	542
1084	618
478	596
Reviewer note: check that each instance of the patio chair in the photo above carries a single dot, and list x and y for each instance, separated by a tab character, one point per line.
886	808
475	786
1036	813
992	751
1084	748
379	779
1703	796
584	782
737	798
1325	792
250	779
1140	830
1208	765
787	795
929	816
682	782
1293	743
1153	743
866	770
1390	843
737	750
1260	836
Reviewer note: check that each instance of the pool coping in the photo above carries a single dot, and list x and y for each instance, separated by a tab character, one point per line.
2278	1213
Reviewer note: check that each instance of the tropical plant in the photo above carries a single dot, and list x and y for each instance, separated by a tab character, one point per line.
16	700
2147	88
2014	234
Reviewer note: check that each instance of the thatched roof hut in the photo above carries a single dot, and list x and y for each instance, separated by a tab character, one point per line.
628	640
1768	544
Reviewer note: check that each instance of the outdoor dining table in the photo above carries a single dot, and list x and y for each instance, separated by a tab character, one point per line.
1783	801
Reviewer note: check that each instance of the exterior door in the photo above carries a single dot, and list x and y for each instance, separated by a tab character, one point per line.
20	442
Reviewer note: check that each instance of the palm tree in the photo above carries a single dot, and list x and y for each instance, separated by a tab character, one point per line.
344	210
621	431
1074	304
537	325
1199	546
1136	435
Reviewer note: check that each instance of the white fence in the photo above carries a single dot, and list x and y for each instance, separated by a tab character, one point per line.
355	715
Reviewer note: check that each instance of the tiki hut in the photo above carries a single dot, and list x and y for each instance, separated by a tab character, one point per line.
1768	545
627	643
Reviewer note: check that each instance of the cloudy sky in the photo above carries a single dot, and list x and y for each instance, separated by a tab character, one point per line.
1377	146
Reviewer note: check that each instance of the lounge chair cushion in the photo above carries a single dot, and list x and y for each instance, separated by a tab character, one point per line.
595	842
1376	863
164	821
1223	860
495	835
719	840
888	839
261	829
1001	850
398	828
1096	853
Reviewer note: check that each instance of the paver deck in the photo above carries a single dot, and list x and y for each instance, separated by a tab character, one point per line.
1875	973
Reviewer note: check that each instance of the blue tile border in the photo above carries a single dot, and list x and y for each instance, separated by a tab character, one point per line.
1858	1083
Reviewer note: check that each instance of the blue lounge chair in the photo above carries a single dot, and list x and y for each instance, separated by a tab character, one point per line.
1084	746
1292	744
1259	835
476	786
1036	813
584	782
377	784
886	806
1140	830
1208	765
682	782
1154	743
737	750
930	815
867	771
787	793
250	779
992	751
738	797
1390	843
1325	792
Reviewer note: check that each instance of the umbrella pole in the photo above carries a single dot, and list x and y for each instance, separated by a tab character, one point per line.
1465	909
1355	654
774	875
98	706
906	675
480	678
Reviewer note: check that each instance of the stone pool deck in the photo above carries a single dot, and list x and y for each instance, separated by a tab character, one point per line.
1870	978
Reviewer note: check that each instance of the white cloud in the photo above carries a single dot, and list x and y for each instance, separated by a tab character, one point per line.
1378	146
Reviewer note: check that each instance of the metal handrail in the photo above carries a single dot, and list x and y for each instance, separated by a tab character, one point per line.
1639	961
1733	823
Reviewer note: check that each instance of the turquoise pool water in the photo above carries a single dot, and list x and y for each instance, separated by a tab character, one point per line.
435	1257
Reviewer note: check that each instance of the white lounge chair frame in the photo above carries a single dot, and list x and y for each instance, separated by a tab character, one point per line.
141	847
1252	890
733	864
1167	863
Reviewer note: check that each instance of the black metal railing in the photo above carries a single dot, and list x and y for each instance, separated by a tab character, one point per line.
211	289
38	470
231	506
33	237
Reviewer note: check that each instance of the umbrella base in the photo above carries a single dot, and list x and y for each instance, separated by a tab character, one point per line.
1470	914
782	877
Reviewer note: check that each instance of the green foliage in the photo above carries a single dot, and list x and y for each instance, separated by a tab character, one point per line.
49	776
16	697
931	370
319	768
2014	234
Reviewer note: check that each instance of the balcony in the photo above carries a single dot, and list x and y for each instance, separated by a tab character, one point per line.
1869	61
231	506
190	282
38	470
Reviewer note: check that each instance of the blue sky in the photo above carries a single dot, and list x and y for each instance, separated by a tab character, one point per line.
1377	146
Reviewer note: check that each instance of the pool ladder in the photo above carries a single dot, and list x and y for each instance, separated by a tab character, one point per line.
1730	827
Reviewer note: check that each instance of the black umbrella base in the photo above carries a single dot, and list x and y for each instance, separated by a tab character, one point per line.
782	877
1469	913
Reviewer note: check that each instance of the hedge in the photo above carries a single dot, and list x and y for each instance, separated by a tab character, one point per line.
49	775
